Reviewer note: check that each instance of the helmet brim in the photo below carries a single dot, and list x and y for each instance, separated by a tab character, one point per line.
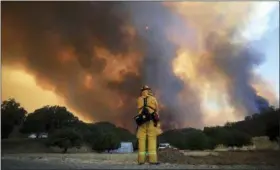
145	89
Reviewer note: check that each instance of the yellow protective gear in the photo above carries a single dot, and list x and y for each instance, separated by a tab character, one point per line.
147	132
150	93
151	102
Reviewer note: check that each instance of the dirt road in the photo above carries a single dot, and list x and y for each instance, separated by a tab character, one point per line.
97	161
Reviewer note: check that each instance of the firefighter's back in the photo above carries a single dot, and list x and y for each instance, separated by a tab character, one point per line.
151	103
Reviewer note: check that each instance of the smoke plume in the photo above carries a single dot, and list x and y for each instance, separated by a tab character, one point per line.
97	55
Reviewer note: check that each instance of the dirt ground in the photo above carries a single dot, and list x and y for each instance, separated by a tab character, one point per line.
23	153
221	158
168	158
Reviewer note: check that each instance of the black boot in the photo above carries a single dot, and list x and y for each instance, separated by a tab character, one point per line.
154	163
140	163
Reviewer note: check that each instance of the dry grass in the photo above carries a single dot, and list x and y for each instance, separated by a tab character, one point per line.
263	143
166	156
221	158
35	149
258	143
78	157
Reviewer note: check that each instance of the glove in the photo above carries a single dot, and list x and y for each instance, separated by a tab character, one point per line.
155	119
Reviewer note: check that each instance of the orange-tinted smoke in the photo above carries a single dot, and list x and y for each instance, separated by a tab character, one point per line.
85	53
96	56
213	63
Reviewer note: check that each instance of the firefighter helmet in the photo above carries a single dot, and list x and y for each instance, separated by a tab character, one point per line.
145	88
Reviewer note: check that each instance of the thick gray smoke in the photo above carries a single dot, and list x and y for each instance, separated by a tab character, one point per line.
57	41
237	63
83	26
157	68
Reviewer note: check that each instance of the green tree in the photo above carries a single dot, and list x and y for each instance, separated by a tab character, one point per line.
272	131
47	119
258	124
90	135
174	137
218	135
272	125
12	114
85	130
187	138
197	140
227	136
108	128
125	135
65	139
238	138
247	118
106	141
35	123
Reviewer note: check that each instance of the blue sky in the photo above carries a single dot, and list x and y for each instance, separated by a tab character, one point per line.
264	29
270	47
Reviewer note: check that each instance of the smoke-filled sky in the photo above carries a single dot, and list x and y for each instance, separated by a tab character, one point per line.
206	62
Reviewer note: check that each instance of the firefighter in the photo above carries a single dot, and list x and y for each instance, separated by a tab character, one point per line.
147	131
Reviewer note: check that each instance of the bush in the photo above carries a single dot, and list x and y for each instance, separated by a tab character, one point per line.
6	129
190	139
218	135
174	138
197	140
272	129
238	138
106	136
65	139
106	141
193	139
227	136
12	114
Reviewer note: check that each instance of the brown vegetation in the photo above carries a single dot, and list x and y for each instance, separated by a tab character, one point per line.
222	158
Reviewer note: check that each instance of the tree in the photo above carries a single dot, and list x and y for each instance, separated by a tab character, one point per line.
197	140
227	136
104	127
85	130
247	118
238	138
47	119
35	123
272	129
106	141
174	137
258	124
218	135
12	114
112	141
108	128
188	138
90	135
229	124
65	139
125	135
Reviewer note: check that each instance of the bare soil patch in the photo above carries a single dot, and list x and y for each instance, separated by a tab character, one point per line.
35	149
222	158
